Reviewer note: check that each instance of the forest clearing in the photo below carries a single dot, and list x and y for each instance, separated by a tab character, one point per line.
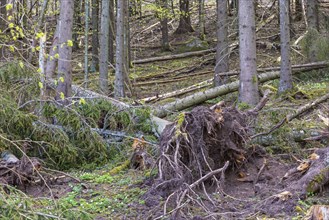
157	109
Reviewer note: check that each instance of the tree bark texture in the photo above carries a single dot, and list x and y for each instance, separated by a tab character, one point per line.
222	61
285	71
95	39
312	13
164	24
111	33
65	49
120	54
104	45
248	88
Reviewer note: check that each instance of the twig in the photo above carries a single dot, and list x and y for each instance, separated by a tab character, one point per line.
260	171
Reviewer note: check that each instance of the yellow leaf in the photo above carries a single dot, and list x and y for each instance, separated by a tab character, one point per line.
9	6
56	56
69	43
11	25
55	82
62	96
82	101
39	70
11	48
61	79
40	85
21	64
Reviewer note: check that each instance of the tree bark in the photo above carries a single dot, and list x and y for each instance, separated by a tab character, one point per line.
64	88
52	60
312	13
164	24
86	41
248	88
184	18
104	45
285	72
202	20
222	61
120	54
95	39
202	96
111	33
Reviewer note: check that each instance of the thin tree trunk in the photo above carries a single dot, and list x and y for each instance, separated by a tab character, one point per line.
285	72
164	24
86	41
64	88
120	54
52	60
248	89
104	45
222	56
95	39
112	33
202	20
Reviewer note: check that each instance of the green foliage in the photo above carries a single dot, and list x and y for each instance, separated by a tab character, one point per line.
17	205
72	141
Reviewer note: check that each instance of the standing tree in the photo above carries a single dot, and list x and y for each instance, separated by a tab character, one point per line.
312	13
285	70
163	15
111	33
184	18
64	87
248	88
120	53
202	20
104	48
222	64
95	40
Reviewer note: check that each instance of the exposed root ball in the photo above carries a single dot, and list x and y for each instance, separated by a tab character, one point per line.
201	141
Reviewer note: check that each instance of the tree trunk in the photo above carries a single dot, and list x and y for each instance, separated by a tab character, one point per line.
104	45
248	89
203	96
202	20
3	14
86	41
312	13
111	33
95	39
285	72
184	18
52	59
222	61
64	88
120	54
164	24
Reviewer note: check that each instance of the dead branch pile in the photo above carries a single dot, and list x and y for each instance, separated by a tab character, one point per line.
202	141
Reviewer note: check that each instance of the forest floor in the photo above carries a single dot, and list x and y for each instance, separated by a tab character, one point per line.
252	189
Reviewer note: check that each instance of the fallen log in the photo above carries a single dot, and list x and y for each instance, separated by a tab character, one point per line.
192	88
294	115
199	97
175	56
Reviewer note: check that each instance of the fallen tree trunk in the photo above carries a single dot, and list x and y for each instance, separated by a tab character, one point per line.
175	56
300	67
202	96
192	88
